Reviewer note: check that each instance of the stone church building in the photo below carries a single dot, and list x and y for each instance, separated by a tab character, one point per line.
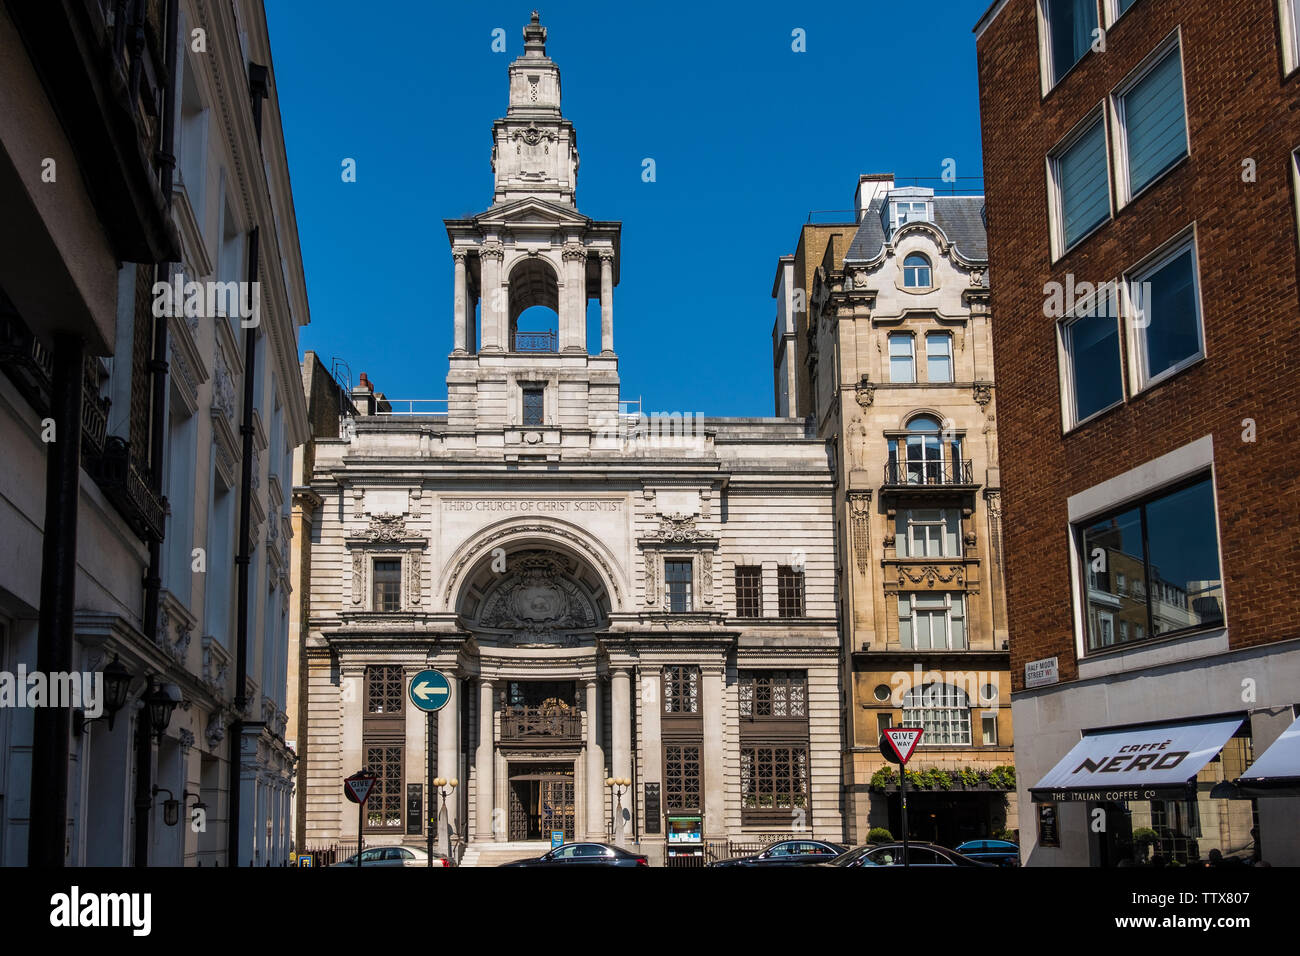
612	596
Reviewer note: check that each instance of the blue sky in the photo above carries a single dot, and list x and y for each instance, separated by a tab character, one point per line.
747	136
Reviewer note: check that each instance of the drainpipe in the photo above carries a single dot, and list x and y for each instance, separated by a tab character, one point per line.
157	449
47	831
257	85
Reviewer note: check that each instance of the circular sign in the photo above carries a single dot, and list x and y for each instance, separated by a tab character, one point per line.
430	690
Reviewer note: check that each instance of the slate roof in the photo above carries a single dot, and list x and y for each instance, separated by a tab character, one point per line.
958	216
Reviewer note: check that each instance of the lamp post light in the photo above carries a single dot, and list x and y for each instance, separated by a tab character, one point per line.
171	806
445	786
117	685
618	785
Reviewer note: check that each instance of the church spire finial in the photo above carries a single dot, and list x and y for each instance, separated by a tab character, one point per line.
535	37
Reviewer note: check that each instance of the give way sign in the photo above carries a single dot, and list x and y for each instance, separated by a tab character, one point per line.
903	740
358	786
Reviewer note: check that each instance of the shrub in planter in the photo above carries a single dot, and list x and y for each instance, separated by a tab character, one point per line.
879	835
883	778
969	777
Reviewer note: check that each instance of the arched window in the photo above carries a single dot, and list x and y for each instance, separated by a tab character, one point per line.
916	271
942	710
923	456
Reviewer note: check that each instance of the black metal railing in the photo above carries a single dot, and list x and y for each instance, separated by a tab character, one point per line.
528	722
128	489
915	473
547	341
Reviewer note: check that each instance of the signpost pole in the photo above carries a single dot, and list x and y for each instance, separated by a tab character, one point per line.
902	797
428	788
361	819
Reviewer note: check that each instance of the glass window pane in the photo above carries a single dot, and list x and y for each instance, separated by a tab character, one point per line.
1085	188
1186	590
900	359
1166	300
1092	351
938	357
1154	122
952	535
1110	546
1070	24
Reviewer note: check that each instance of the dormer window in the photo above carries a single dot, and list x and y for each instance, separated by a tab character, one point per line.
916	271
903	211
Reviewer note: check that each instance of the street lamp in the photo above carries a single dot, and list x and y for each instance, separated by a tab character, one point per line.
619	787
117	685
445	786
171	806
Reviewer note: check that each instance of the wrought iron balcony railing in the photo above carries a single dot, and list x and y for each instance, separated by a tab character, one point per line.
923	473
534	722
547	341
127	488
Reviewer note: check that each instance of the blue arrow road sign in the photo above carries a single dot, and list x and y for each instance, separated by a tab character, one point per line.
430	690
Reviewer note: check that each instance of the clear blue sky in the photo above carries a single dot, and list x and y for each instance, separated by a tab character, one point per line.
747	136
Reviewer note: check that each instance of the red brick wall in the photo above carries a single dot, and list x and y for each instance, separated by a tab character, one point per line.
1238	106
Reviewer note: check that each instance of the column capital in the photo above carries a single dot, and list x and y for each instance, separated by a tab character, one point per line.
459	254
492	249
606	256
574	252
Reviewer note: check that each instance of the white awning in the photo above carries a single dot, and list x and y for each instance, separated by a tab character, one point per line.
1277	771
1152	762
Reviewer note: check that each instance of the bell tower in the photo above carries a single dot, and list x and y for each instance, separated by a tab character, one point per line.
532	393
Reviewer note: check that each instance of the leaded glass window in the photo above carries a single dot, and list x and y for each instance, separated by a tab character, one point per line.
682	777
774	778
779	695
681	689
384	806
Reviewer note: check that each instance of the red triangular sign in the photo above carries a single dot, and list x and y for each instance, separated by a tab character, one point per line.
903	740
359	787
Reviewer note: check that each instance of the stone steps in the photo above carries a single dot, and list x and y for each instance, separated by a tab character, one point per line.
494	854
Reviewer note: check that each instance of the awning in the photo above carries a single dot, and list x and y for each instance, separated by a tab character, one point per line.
1277	771
1153	762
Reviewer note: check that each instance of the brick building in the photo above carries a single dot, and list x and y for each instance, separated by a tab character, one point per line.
1140	162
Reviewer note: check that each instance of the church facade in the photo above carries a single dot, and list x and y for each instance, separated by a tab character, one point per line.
637	615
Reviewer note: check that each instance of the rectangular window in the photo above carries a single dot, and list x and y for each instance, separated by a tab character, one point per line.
384	689
938	357
989	730
1166	323
883	723
384	805
1288	10
1152	123
1081	184
928	533
789	592
749	592
534	405
388	584
1071	29
905	211
677	577
902	365
682	777
1170	542
1092	376
929	622
773	778
775	695
681	689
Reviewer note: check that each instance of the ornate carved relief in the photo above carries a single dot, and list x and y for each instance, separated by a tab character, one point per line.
860	520
679	529
384	528
931	575
492	249
358	576
706	576
538	602
573	251
983	393
413	576
651	578
865	392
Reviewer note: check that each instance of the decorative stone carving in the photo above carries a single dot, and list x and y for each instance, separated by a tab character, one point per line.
573	252
181	646
492	249
538	602
459	254
860	520
216	730
858	445
186	739
860	280
930	575
865	392
983	393
706	576
384	528
223	388
651	579
680	529
413	577
606	255
358	576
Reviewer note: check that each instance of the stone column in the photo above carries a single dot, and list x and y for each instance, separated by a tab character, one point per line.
492	311
714	794
573	311
606	302
483	763
652	707
460	313
448	748
595	765
621	707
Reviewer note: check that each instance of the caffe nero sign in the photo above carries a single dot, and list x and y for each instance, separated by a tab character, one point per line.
1138	764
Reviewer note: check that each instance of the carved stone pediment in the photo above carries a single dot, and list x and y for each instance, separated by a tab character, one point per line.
679	529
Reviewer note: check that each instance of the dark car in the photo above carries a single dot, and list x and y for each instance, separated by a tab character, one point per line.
788	853
585	854
927	855
998	852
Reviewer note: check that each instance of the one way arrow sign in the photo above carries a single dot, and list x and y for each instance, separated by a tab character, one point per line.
430	690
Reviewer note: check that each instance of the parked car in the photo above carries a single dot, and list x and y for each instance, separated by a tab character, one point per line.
585	854
998	852
395	856
891	854
788	853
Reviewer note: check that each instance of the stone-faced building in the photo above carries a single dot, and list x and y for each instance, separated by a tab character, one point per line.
894	362
611	596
